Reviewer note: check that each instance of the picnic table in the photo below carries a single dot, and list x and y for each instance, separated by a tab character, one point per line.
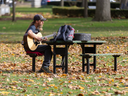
64	52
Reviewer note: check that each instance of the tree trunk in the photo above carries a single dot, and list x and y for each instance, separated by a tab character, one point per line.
124	4
62	3
103	12
85	2
13	17
4	1
82	3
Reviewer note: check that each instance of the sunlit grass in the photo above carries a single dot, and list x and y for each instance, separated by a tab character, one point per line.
82	25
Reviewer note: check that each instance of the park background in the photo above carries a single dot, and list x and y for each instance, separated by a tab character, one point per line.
17	79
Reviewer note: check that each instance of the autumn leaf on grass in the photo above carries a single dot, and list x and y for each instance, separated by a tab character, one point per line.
4	27
120	92
62	75
13	87
50	79
2	89
24	90
80	94
69	92
4	93
52	85
32	81
116	84
96	92
52	94
81	87
75	87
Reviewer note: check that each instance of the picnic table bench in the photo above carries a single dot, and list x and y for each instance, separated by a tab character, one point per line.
88	56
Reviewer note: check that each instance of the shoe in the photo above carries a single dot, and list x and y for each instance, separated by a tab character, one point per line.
40	70
45	69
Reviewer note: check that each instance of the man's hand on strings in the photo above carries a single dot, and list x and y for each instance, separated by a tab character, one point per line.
39	38
45	39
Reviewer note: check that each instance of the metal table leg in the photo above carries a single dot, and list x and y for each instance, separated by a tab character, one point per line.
88	65
115	63
83	59
33	64
63	63
94	58
54	59
66	58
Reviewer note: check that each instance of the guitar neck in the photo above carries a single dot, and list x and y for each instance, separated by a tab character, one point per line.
48	36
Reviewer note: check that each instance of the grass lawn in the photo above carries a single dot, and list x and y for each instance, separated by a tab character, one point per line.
116	27
16	78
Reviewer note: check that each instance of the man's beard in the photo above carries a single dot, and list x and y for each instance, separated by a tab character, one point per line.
40	27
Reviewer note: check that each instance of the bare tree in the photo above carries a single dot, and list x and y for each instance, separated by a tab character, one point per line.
13	17
124	4
4	1
85	2
62	3
103	12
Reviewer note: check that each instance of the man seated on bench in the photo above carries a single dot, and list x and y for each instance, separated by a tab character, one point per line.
38	21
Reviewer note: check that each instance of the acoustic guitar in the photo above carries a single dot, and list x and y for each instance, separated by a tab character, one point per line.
30	44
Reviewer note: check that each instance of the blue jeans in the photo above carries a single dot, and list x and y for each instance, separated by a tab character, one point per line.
46	49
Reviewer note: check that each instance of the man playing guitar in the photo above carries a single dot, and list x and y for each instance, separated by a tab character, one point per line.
38	21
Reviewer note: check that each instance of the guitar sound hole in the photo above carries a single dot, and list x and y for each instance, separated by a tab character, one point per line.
36	42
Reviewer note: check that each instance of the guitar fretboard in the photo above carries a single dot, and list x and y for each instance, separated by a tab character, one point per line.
49	36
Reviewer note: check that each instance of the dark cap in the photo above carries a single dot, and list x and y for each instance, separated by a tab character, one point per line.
39	17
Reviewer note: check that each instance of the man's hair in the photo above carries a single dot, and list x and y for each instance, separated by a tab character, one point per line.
35	21
38	17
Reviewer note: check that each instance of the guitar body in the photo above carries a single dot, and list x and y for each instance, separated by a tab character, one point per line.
30	44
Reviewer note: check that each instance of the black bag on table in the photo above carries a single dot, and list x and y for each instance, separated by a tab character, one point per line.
65	33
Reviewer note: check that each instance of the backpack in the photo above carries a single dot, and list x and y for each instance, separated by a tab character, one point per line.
65	33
